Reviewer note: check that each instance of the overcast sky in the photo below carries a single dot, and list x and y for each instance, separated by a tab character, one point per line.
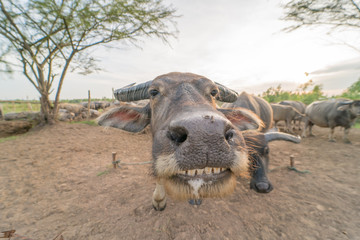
237	43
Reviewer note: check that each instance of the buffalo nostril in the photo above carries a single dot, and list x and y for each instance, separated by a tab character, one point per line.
177	134
229	134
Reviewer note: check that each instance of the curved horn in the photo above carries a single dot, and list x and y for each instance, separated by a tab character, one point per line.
226	94
346	102
272	136
133	93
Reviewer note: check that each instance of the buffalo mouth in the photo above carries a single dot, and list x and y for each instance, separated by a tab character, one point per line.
208	182
207	174
195	183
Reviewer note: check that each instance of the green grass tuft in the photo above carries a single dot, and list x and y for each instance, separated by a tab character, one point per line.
8	138
102	173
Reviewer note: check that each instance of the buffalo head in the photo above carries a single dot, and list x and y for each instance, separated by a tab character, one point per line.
198	149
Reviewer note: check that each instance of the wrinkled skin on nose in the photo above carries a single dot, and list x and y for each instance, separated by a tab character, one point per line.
197	140
203	139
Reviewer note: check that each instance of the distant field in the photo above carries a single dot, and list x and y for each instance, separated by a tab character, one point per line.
26	106
18	106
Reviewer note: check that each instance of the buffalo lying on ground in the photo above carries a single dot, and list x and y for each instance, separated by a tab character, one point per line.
257	105
298	106
72	107
332	113
96	105
257	142
285	113
198	150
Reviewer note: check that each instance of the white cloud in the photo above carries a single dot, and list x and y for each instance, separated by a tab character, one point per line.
352	65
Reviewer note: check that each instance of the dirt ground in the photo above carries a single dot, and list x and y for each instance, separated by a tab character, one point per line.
59	179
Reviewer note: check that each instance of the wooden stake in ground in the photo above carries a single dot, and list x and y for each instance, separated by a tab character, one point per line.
114	159
292	162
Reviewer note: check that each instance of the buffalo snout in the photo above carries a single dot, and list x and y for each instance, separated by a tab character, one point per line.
261	187
201	127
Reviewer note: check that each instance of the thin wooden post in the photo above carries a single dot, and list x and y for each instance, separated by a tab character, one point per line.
114	159
89	101
292	162
29	106
1	112
112	95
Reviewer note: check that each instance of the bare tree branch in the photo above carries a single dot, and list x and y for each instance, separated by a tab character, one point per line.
47	35
337	15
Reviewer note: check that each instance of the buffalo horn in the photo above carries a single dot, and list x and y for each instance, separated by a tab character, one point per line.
226	94
273	136
348	102
133	93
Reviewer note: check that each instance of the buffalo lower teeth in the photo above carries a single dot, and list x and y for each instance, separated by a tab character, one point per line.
204	171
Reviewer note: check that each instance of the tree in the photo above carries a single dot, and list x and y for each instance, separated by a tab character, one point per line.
46	36
337	14
352	92
274	95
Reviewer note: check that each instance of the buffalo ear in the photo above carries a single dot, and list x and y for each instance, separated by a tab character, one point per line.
343	108
128	118
243	119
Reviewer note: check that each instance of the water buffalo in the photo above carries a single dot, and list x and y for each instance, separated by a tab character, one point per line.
285	113
257	142
198	150
257	105
258	145
96	105
332	113
298	106
72	107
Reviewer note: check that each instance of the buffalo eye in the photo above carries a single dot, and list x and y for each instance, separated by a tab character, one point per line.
266	150
214	92
153	92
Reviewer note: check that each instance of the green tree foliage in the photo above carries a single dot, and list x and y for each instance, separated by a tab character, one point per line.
45	38
301	94
353	92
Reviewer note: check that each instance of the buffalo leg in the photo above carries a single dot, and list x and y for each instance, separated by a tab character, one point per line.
346	132
299	124
331	135
306	124
288	126
310	129
159	197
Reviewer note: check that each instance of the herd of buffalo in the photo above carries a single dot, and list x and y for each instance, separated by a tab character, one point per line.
199	148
